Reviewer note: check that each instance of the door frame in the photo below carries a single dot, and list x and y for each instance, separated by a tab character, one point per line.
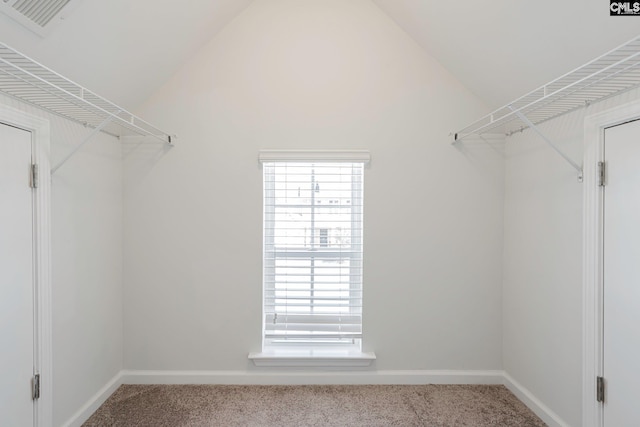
43	356
593	229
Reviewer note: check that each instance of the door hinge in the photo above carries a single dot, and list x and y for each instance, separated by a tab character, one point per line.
602	174
33	176
600	389
35	387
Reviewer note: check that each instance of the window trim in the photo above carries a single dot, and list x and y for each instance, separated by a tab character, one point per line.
311	356
314	156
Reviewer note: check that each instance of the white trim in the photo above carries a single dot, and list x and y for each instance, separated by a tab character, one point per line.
94	402
592	413
540	409
316	377
312	358
39	127
314	155
389	377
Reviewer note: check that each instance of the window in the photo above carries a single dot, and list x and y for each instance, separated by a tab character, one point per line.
312	253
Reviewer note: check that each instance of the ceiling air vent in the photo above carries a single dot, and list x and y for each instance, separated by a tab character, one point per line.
37	15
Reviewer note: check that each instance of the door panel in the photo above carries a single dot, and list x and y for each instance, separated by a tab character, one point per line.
622	275
16	278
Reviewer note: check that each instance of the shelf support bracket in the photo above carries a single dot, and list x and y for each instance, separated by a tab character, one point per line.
546	139
87	138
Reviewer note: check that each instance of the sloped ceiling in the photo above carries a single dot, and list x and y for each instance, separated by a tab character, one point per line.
124	49
500	49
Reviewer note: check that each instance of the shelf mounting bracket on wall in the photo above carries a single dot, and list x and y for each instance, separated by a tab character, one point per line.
86	139
28	81
546	139
611	74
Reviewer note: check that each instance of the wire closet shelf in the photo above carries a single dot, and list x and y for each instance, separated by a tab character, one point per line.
608	75
26	80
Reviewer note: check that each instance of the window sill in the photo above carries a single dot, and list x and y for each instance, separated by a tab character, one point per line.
316	358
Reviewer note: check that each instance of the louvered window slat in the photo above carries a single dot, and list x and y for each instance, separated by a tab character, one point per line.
313	252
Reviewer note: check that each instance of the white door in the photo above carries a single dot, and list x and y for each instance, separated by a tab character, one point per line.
621	368
16	278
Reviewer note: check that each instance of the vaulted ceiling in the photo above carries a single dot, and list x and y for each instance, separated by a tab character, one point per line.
500	49
124	49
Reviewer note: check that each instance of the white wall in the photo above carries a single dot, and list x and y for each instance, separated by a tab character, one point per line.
323	74
87	269
86	263
542	291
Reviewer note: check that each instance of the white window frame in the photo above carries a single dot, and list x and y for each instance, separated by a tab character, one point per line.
315	354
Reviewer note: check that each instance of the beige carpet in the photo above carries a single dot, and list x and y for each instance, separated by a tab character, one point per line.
283	406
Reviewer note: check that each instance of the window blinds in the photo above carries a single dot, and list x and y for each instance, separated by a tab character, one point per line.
312	252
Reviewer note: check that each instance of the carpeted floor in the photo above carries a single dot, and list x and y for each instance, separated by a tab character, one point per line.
283	406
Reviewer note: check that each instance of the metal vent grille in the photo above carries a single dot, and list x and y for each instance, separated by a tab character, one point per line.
37	15
39	11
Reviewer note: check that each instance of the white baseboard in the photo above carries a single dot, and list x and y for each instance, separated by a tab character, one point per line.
316	377
94	402
540	409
